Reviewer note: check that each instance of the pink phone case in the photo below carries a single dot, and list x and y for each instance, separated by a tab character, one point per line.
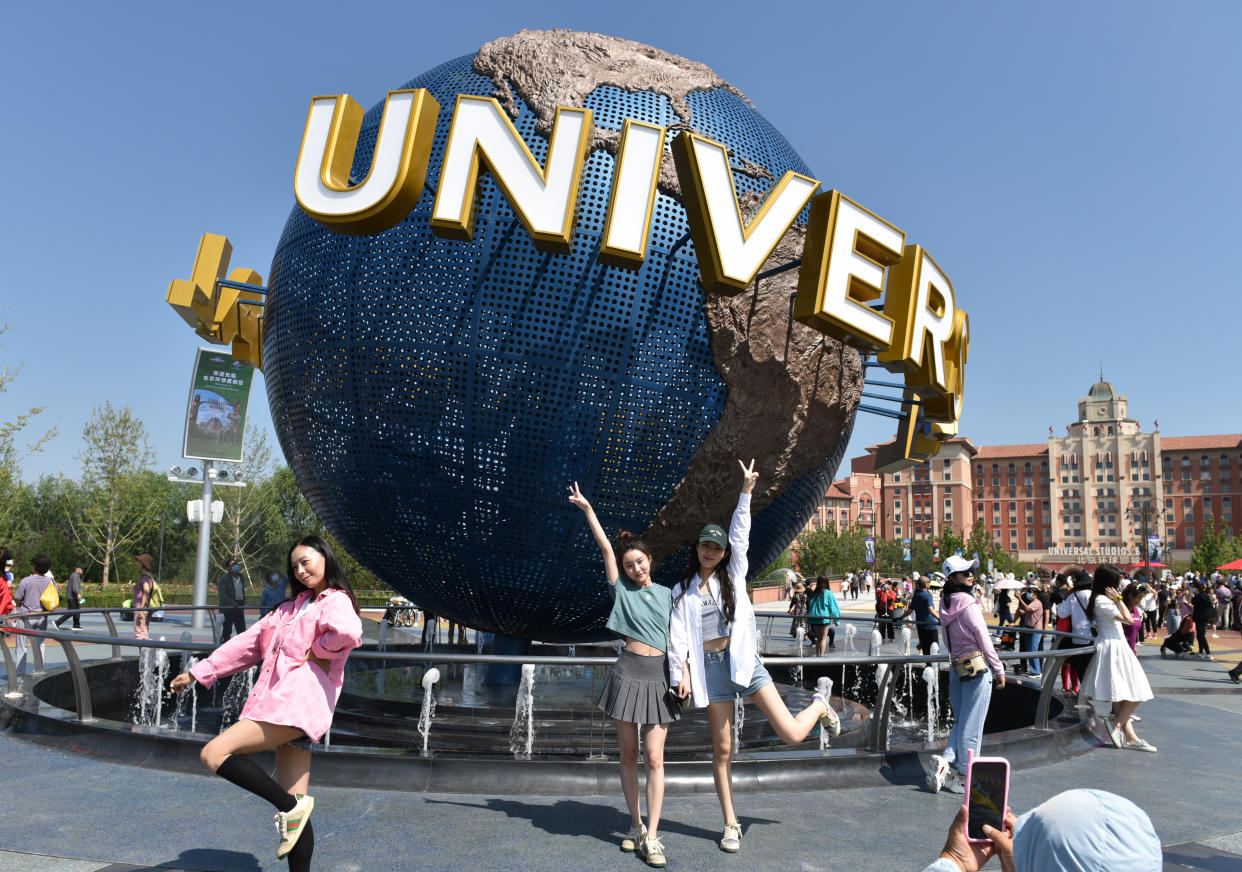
1004	803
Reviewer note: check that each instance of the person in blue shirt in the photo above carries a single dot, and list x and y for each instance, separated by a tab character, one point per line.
273	594
925	617
822	616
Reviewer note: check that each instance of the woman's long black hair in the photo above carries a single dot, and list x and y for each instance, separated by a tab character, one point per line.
332	572
953	585
727	603
1106	576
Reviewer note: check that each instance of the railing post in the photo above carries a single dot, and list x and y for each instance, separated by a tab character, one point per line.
116	649
81	688
10	664
1052	670
883	705
35	649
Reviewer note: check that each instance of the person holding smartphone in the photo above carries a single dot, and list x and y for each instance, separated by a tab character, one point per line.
975	668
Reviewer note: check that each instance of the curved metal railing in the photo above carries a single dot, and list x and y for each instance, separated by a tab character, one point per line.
18	625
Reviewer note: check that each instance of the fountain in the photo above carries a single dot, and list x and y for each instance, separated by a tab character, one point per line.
739	717
824	688
850	632
932	678
428	712
905	641
235	696
795	672
877	640
522	734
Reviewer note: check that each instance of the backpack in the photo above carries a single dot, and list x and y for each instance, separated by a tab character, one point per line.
50	598
157	595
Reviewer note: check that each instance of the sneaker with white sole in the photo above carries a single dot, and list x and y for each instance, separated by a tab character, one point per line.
290	824
1140	745
829	721
651	851
938	773
955	783
731	841
637	833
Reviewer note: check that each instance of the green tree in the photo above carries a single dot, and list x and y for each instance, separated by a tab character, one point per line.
1216	547
118	505
12	452
245	531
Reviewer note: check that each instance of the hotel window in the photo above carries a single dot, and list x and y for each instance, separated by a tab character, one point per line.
1226	509
1190	537
896	531
1188	510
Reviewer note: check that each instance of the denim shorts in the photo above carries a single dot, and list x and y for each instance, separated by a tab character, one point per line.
304	743
720	686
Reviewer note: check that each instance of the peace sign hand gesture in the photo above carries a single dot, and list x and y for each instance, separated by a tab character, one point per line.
577	499
749	476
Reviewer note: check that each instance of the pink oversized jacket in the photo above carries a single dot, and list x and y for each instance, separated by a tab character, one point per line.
290	690
964	631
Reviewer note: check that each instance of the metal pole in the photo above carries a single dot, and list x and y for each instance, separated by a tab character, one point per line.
159	572
202	565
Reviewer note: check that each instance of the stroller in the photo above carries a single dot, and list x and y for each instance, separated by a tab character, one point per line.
1181	642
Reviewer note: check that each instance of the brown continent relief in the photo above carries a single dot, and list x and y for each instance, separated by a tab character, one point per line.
791	390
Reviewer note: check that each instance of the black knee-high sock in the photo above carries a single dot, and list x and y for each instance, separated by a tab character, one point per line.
300	857
246	774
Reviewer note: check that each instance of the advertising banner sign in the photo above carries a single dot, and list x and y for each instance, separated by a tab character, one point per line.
216	418
905	550
869	544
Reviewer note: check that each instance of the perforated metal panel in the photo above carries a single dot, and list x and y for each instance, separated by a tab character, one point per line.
434	397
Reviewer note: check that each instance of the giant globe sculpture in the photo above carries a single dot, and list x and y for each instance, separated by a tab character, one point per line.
435	397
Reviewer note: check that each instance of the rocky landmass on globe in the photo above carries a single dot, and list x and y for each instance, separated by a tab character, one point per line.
550	68
791	390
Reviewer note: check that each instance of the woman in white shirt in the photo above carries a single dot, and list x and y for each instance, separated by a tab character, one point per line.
713	655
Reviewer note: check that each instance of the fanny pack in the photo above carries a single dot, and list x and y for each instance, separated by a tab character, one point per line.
970	665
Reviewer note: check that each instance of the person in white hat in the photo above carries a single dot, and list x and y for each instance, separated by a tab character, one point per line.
975	668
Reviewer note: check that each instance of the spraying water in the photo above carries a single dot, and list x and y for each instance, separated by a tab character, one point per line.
850	632
739	716
905	641
824	688
522	734
876	641
238	689
428	713
795	674
161	681
933	702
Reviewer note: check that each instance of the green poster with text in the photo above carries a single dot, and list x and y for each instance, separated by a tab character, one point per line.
216	418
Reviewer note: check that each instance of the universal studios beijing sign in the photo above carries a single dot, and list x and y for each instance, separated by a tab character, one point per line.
852	258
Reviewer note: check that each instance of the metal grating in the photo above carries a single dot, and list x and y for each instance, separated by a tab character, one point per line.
434	397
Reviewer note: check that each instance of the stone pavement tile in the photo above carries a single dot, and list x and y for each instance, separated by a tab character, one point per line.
1200	857
14	861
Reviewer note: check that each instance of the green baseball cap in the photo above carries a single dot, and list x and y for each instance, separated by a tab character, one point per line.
714	533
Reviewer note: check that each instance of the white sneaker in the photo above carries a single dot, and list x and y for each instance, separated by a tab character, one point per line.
938	773
955	783
630	842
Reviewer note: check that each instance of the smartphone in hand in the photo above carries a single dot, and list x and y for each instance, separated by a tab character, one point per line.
987	796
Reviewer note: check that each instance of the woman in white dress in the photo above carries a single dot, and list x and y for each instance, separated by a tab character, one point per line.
1115	674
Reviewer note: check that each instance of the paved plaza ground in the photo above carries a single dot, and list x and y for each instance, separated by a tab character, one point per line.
75	814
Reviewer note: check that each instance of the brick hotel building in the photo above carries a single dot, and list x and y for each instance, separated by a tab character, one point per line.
1074	500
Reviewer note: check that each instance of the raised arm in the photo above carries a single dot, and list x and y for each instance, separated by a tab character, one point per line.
605	547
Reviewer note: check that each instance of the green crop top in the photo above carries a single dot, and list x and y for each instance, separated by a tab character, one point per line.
641	613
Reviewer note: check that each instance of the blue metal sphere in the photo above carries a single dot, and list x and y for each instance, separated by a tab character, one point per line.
434	397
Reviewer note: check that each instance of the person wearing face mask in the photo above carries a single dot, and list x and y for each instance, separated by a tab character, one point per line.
231	596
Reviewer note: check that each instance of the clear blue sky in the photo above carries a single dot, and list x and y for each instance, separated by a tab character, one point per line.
1072	166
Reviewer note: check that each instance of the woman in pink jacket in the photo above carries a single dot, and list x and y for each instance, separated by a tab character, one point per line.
303	644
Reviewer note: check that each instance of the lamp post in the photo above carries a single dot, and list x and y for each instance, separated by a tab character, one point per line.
1140	510
203	559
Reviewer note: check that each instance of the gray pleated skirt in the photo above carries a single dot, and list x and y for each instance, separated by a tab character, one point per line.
634	691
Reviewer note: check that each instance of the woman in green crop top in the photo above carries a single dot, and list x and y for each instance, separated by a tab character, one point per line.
637	688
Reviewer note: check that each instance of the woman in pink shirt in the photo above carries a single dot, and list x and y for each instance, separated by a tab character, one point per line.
303	645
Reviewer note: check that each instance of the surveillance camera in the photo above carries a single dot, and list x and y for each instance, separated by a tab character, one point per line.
192	471
175	470
211	473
